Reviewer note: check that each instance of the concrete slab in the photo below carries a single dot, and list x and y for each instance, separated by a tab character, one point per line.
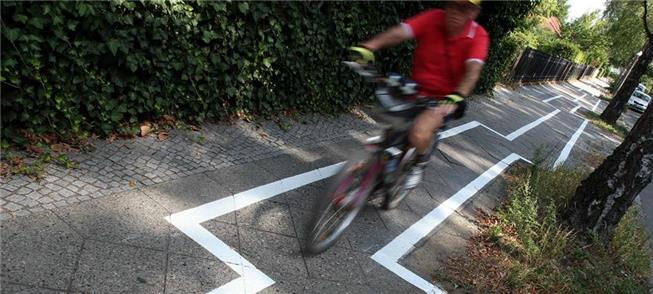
196	275
304	197
112	268
368	233
129	218
337	264
189	192
41	251
182	245
25	289
278	256
267	216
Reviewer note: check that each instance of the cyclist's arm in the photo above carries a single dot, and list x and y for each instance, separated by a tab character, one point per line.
472	73
393	36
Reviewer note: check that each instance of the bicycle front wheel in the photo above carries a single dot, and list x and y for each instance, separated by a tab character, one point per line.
345	198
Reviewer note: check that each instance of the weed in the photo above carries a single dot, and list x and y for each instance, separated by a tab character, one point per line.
529	251
618	129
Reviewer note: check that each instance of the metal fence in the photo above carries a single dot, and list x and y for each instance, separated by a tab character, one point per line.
537	66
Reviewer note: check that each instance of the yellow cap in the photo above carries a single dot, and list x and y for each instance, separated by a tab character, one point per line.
475	2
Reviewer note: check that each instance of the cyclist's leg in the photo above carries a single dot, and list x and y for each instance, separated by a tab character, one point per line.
425	128
421	136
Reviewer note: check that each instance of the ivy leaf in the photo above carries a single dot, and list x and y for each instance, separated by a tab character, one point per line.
37	22
116	116
243	7
72	24
12	34
113	46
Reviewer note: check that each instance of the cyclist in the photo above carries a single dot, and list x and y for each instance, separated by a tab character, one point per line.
447	62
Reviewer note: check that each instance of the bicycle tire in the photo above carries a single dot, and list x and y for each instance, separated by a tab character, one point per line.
317	242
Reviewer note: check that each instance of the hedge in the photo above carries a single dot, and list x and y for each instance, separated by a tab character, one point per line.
71	68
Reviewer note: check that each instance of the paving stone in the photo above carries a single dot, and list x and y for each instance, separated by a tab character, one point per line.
13	207
25	289
196	275
241	177
24	191
16	198
39	250
277	255
267	216
189	192
337	264
182	244
111	268
129	218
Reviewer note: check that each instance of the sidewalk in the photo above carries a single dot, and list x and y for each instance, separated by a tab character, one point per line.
230	213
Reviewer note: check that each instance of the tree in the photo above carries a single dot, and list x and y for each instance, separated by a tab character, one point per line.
604	197
624	27
589	33
618	102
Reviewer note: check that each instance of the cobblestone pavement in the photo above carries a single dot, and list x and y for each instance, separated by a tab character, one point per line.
147	161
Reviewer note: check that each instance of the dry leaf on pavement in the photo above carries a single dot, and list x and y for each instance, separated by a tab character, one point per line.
146	127
132	184
163	136
35	149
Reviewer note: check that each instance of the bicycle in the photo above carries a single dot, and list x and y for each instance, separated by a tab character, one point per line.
384	167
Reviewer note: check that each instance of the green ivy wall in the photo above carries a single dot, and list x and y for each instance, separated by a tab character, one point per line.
71	68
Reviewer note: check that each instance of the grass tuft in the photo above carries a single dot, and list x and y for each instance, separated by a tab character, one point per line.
525	249
618	129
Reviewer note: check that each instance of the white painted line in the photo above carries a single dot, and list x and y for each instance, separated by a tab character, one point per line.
578	98
573	110
552	98
596	105
189	221
526	128
613	140
459	129
510	137
565	151
403	244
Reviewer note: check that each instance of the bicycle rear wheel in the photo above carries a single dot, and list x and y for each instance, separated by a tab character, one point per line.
345	198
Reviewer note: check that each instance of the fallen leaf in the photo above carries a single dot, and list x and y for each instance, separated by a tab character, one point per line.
16	161
163	136
132	184
168	118
35	149
146	127
264	135
49	138
194	128
112	138
59	147
4	169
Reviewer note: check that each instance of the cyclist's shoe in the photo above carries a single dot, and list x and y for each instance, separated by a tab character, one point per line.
415	176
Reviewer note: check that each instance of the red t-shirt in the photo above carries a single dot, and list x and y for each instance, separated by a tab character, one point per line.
439	61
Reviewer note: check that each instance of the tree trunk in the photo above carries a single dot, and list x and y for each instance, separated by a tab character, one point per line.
605	196
613	111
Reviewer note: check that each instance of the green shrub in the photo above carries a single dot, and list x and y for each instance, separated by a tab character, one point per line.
76	67
564	49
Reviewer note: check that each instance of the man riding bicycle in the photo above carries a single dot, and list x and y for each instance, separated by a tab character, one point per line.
447	62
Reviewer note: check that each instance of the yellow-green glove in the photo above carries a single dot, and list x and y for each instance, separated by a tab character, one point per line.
361	55
459	101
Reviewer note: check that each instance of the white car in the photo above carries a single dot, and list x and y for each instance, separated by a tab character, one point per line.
639	101
641	88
